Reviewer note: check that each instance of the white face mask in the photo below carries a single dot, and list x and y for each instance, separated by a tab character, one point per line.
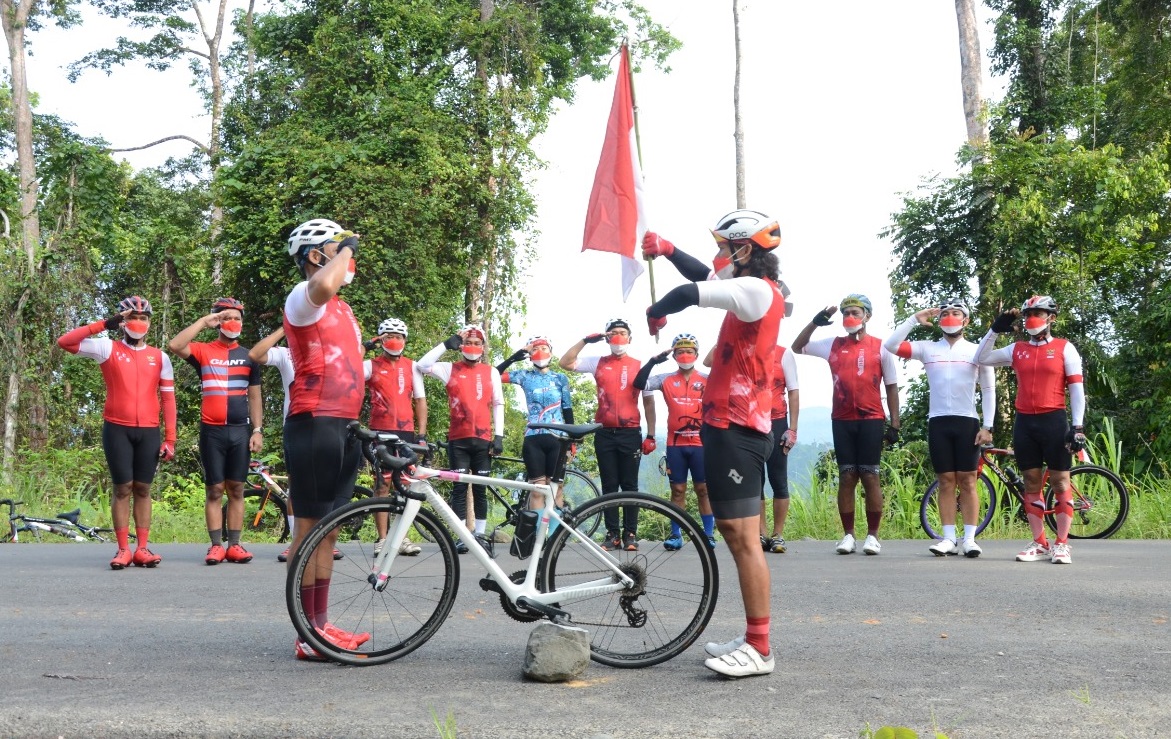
618	349
230	334
541	363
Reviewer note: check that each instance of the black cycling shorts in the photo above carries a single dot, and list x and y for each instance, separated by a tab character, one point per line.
777	464
322	460
540	452
858	444
734	458
951	442
1039	441
223	452
132	452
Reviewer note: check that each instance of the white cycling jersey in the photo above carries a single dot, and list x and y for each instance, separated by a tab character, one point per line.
952	374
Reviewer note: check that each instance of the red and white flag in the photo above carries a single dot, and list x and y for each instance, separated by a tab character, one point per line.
616	221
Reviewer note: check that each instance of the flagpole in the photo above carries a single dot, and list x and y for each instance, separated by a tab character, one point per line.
638	147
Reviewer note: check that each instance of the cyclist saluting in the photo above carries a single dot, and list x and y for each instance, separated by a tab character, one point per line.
476	433
325	343
548	400
139	379
683	393
1046	367
954	432
737	404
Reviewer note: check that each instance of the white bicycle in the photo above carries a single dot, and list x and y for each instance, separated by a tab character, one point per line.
642	604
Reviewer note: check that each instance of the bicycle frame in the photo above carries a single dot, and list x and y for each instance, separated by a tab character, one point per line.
528	589
271	487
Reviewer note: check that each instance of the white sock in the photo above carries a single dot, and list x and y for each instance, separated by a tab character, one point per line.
481	525
969	532
949	532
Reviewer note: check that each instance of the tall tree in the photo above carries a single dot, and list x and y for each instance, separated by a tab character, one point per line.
738	123
971	73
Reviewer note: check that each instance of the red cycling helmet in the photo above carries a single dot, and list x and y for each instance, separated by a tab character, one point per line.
226	304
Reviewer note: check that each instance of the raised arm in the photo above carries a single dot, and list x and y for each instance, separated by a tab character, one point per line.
823	318
259	352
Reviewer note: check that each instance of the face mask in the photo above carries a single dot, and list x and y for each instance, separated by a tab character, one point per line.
618	344
951	325
472	353
394	346
351	269
723	268
231	329
1036	325
852	324
136	328
686	360
541	358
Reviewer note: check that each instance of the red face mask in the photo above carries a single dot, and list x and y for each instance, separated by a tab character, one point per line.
136	328
1036	324
951	324
232	328
852	324
618	339
394	346
472	352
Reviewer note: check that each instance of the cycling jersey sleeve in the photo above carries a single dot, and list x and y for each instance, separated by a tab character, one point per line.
78	342
890	370
497	404
1074	380
820	348
897	343
566	399
988	355
367	368
748	298
428	363
652	384
987	377
690	267
280	358
167	396
789	365
417	389
587	365
299	309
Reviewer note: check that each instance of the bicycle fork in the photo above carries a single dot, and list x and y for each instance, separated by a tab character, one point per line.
380	575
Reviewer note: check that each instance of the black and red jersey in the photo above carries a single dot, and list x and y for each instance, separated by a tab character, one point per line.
225	374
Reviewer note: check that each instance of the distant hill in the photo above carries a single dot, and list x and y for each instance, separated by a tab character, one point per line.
815	436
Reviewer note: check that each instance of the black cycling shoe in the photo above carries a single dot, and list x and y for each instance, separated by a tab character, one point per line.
460	547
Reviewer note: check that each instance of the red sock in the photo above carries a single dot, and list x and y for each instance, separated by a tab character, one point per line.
873	521
309	602
143	536
756	634
322	587
123	536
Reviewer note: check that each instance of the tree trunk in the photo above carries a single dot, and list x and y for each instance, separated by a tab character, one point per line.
971	74
738	133
15	20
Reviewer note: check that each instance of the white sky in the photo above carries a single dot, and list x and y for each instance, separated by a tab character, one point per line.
845	106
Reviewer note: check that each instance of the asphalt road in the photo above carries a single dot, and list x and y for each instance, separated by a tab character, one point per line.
972	648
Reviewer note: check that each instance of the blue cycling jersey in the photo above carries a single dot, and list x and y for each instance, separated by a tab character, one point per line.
546	393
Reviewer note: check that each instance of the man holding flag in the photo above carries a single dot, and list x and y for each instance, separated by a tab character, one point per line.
737	405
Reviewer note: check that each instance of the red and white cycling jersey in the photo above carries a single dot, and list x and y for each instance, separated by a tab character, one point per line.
1044	371
326	345
139	379
740	386
474	397
784	380
684	398
394	383
617	396
859	369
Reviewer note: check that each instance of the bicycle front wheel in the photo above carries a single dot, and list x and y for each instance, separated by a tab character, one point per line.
931	521
1100	503
577	490
674	591
265	516
396	620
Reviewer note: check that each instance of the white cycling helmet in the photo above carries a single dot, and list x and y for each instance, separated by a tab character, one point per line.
685	341
617	323
392	326
540	339
312	233
752	225
954	303
1040	302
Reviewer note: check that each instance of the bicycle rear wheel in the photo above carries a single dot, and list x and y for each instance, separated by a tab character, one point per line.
674	593
265	518
399	619
1100	503
578	489
929	508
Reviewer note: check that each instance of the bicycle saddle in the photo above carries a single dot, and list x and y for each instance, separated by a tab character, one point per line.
573	431
71	516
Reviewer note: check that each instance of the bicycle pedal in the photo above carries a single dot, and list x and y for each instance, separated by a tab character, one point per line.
488	585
